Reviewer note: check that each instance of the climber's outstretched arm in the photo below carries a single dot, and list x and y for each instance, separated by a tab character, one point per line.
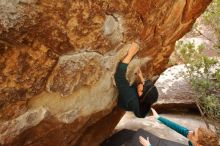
120	75
131	52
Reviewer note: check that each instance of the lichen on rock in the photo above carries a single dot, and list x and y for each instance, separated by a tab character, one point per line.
73	71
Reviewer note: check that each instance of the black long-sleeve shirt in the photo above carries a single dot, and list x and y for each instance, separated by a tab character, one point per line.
128	98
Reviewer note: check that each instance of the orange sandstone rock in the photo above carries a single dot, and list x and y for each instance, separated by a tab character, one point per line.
57	60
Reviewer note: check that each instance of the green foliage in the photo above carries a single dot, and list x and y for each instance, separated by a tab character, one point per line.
204	75
217	76
211	105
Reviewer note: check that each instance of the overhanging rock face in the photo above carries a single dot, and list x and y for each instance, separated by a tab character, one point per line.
58	58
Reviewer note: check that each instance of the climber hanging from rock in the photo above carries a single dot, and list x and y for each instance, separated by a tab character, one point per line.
140	96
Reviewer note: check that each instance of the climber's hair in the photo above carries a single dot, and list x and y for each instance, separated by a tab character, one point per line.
207	137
